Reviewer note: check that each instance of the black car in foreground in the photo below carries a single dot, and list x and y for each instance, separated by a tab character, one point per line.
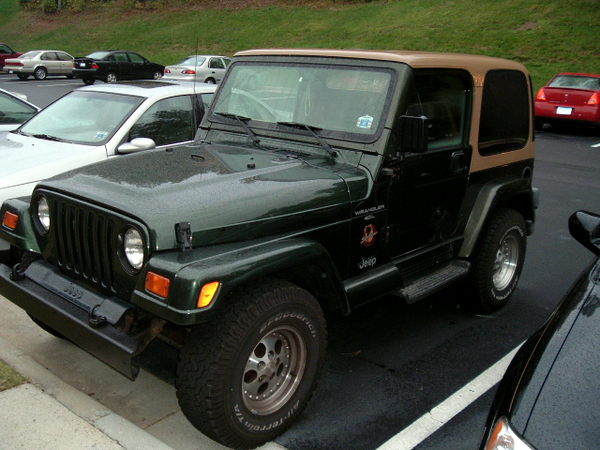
549	397
112	66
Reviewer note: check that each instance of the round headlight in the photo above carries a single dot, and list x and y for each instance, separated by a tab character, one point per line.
43	213
133	245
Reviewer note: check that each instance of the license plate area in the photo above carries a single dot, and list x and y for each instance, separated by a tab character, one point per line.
562	111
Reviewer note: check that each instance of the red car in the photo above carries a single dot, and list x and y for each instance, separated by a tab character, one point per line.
569	98
7	52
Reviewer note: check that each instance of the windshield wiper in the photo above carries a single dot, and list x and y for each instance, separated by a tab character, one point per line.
242	121
312	130
47	137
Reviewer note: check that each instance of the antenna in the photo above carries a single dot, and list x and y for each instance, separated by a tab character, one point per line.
195	65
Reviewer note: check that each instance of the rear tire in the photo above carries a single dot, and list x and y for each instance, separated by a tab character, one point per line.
111	77
245	377
210	81
40	73
499	261
22	76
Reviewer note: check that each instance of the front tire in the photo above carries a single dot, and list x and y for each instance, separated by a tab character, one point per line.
210	81
22	76
40	73
499	261
245	377
88	81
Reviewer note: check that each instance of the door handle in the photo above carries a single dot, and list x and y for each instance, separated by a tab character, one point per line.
458	162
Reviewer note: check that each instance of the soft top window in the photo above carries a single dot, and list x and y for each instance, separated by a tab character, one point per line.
505	112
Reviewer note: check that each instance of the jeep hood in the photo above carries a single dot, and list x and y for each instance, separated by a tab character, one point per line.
226	193
26	159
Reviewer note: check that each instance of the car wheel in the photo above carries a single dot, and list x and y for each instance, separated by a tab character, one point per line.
111	77
538	124
22	76
40	73
210	81
88	81
245	377
47	328
157	75
498	263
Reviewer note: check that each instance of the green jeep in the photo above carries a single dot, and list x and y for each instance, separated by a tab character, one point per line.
318	179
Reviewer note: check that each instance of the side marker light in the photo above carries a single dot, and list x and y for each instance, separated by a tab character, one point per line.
207	294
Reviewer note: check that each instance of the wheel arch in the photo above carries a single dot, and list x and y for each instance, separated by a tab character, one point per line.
515	194
301	261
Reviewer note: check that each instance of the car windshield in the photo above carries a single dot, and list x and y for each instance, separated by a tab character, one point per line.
98	55
192	61
82	117
335	101
30	55
575	82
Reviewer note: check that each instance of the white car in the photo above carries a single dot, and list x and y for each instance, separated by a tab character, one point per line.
202	68
93	123
14	110
40	64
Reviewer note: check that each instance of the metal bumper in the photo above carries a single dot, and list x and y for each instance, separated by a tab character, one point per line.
87	319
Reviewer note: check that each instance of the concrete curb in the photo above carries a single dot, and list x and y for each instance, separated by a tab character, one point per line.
112	425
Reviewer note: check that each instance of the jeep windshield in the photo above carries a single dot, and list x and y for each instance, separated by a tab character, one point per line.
341	102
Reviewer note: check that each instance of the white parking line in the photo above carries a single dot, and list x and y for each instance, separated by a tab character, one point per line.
596	145
432	421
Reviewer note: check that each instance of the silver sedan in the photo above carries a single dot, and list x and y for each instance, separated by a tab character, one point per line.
40	64
203	68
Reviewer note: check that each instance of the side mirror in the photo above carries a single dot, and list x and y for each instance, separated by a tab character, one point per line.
136	145
585	228
413	134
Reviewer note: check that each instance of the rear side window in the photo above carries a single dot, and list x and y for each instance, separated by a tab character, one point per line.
505	112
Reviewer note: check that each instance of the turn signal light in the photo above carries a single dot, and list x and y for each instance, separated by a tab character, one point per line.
207	294
10	220
157	284
541	95
593	99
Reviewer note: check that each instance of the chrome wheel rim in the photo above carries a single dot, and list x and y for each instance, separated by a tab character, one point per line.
506	262
274	370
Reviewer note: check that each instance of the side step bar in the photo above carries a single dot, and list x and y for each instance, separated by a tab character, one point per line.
434	281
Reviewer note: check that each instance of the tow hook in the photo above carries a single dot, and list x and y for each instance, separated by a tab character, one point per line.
94	320
18	270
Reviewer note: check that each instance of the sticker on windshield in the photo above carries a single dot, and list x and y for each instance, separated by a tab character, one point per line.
365	122
101	134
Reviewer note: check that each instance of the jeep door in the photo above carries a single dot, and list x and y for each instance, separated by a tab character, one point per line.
427	190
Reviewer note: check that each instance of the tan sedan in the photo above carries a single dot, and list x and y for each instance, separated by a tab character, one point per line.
40	64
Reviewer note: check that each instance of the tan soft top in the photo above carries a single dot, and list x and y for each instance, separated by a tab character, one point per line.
477	65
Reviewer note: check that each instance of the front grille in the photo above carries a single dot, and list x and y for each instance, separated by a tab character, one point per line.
85	244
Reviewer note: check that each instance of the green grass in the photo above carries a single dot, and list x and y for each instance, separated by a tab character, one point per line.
547	36
9	377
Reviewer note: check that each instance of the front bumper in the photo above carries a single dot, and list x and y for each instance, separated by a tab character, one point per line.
91	321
